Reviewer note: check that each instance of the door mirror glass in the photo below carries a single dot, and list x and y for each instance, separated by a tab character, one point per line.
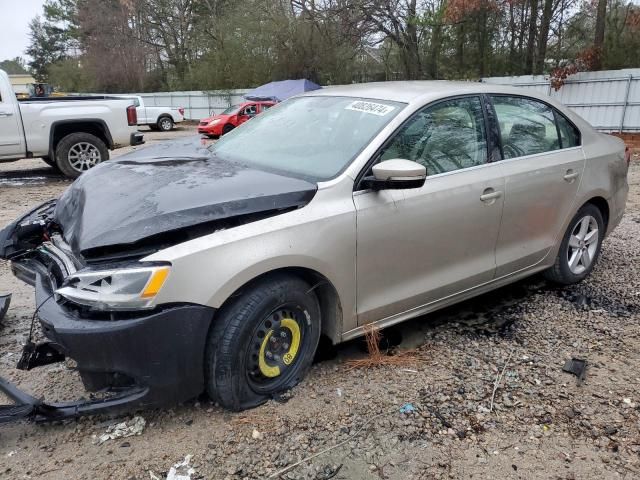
396	174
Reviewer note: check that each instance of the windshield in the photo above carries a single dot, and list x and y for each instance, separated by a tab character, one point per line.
231	110
313	137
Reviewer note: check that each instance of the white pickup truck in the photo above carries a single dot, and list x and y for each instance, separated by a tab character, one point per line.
157	118
70	133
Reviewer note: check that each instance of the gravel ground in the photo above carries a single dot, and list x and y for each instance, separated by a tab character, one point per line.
543	423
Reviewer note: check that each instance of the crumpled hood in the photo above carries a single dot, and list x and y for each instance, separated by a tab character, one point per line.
166	188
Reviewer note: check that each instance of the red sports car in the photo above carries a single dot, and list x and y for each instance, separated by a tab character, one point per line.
232	117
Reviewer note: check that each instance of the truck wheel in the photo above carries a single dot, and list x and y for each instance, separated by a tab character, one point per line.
78	152
227	128
580	247
165	124
262	343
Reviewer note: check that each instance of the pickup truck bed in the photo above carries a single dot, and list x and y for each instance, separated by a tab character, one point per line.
72	134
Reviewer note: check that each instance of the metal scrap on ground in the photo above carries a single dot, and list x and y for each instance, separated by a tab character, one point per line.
122	430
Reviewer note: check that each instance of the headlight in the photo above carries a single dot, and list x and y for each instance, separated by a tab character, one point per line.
214	122
117	289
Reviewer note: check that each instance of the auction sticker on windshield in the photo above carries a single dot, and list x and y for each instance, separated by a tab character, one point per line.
379	109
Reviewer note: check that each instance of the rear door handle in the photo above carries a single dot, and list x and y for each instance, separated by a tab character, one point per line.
490	195
6	114
570	176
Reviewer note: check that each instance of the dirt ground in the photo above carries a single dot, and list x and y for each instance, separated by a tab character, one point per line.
487	394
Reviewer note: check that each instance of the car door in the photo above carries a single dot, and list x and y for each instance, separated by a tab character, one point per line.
543	165
11	138
247	113
420	245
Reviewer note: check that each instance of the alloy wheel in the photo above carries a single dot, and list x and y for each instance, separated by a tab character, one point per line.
583	245
83	156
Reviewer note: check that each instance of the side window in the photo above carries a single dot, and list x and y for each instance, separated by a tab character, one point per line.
569	135
447	136
265	107
527	127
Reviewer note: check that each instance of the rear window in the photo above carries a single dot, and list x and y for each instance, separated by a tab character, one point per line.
569	135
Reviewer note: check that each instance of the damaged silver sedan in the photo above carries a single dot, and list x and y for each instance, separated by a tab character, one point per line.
178	269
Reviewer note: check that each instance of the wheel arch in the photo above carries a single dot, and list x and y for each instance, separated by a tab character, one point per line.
165	115
94	126
601	204
331	317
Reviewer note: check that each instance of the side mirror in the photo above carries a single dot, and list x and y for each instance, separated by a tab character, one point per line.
396	174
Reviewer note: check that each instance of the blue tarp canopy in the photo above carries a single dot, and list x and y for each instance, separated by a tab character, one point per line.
279	91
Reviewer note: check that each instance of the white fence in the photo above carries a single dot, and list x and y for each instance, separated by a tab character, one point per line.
609	100
197	104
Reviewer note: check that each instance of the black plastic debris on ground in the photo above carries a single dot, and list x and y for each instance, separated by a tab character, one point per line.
5	301
577	367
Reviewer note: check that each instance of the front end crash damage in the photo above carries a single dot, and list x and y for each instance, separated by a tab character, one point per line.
129	358
5	301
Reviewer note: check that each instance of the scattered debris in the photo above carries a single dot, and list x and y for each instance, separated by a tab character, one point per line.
498	380
407	408
122	430
329	471
5	301
577	367
256	435
181	470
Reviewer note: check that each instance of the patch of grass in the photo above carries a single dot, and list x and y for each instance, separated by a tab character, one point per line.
379	358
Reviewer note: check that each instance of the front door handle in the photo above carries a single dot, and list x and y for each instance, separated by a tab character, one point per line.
570	176
490	195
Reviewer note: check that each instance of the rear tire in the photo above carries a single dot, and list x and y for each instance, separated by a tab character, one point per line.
580	247
227	128
262	343
165	124
78	152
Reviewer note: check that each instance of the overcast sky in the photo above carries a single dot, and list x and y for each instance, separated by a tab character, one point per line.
15	16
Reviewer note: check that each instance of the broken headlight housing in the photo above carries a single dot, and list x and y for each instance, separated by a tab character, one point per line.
117	289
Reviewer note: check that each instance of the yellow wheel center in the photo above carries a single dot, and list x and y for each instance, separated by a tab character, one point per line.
270	367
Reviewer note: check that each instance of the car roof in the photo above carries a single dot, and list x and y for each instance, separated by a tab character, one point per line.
419	91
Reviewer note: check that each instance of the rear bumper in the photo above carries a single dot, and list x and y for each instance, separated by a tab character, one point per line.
137	138
150	360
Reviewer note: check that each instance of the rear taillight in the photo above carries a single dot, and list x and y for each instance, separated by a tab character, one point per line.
181	110
132	115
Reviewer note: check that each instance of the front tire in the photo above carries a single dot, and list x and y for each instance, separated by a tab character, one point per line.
262	343
165	124
227	128
580	247
78	152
